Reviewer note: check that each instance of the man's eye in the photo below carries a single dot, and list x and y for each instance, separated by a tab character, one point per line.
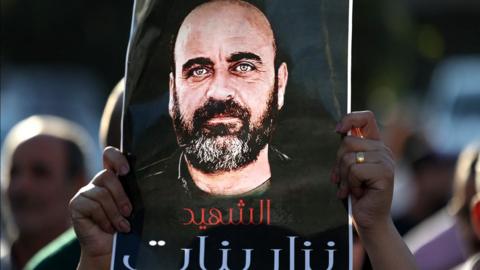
41	170
244	68
198	72
14	172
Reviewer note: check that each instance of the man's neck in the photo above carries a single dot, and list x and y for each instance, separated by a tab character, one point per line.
234	182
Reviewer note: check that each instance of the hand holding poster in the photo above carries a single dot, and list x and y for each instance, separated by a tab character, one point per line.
230	111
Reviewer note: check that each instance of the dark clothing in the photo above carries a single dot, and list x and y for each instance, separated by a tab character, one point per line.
62	253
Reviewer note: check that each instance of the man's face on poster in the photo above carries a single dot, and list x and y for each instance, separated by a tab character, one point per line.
225	91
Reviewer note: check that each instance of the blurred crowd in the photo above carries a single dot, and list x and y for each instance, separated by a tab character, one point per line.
426	94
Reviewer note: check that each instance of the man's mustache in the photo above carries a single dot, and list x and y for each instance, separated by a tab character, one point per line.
215	108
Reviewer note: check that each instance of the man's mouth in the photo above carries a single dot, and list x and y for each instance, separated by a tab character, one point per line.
223	120
223	125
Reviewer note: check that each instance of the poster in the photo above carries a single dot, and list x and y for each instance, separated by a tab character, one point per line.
229	117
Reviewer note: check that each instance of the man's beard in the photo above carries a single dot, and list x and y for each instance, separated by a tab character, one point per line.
221	147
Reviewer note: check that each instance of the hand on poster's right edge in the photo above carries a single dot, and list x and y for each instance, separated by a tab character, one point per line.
99	209
365	170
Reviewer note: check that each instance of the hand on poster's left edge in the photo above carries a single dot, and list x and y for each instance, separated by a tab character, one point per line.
99	210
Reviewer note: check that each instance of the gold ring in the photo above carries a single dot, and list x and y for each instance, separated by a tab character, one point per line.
360	157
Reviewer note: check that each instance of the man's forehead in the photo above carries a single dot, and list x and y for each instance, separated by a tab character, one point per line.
233	22
40	145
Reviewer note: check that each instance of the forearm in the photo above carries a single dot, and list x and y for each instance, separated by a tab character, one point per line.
386	248
88	263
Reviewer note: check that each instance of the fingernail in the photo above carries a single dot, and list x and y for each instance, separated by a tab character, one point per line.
126	210
124	169
124	226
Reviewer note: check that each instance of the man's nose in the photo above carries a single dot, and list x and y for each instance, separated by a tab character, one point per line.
221	87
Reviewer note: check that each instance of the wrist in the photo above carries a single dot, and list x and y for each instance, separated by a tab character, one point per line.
380	226
94	262
378	236
385	247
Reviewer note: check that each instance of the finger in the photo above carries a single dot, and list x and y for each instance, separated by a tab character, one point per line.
114	160
84	208
108	180
371	177
342	183
102	197
350	159
334	176
343	189
364	120
354	144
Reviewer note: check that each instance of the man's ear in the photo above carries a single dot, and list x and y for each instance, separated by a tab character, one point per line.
475	214
282	77
171	86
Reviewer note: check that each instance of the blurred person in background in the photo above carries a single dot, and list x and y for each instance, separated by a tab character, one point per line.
43	166
64	252
431	177
448	121
473	262
446	238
